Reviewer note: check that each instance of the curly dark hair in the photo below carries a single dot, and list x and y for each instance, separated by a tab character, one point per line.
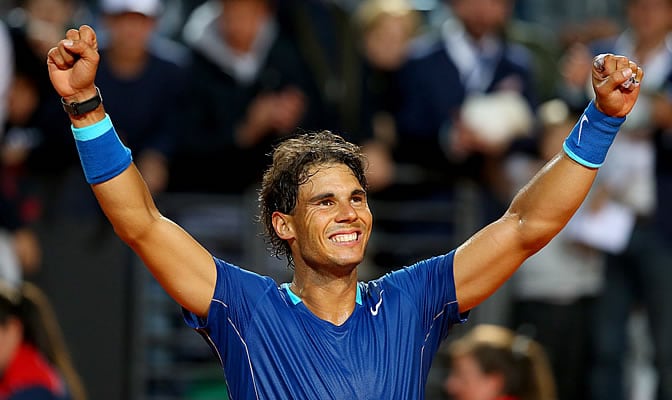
292	160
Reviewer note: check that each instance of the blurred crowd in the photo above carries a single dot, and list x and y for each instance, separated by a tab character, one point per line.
438	93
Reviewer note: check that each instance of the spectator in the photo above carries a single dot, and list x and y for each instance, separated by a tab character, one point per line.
249	90
386	29
144	75
34	362
470	58
491	362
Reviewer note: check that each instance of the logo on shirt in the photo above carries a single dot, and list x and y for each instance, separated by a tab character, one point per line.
374	310
583	119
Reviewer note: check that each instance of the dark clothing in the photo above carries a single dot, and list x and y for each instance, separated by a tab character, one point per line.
664	183
327	41
148	108
48	128
432	93
555	325
208	158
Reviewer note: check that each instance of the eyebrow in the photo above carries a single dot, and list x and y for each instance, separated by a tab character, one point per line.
327	195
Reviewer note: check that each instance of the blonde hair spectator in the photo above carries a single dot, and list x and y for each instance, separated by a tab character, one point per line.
387	27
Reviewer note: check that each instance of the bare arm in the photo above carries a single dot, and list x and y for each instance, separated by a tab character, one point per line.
543	207
181	265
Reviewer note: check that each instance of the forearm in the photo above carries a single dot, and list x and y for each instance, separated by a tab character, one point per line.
117	184
127	203
544	206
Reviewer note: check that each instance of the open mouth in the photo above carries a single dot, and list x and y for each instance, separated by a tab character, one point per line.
345	237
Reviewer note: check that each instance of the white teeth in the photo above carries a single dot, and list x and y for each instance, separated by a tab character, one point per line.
344	238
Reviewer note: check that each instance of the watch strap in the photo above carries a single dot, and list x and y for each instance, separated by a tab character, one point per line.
79	108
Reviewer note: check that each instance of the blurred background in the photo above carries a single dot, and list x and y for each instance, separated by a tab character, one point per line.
455	102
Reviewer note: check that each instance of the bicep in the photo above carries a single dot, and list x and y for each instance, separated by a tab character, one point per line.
485	261
180	264
183	267
538	212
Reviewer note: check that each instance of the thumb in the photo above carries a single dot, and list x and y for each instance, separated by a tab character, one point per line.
611	72
621	78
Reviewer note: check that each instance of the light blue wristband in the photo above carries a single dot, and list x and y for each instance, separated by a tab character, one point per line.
591	137
102	154
92	131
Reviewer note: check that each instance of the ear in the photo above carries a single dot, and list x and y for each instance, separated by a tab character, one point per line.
282	223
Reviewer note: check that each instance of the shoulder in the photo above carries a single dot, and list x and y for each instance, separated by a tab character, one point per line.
416	273
246	280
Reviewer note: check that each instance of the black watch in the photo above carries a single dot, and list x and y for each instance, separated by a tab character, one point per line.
83	107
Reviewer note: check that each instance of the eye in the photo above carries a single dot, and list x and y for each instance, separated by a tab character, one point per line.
326	202
358	199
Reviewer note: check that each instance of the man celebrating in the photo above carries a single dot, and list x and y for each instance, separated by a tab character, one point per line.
325	335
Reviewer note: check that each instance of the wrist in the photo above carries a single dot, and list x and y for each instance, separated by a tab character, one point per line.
81	95
591	137
87	119
102	154
81	106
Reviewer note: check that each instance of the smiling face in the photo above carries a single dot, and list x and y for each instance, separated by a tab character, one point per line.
331	223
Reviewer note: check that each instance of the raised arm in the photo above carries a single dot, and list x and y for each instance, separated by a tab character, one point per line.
181	265
542	208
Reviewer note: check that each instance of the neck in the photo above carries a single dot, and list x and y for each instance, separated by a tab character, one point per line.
330	298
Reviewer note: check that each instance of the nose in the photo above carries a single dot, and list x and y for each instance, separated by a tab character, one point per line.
346	212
